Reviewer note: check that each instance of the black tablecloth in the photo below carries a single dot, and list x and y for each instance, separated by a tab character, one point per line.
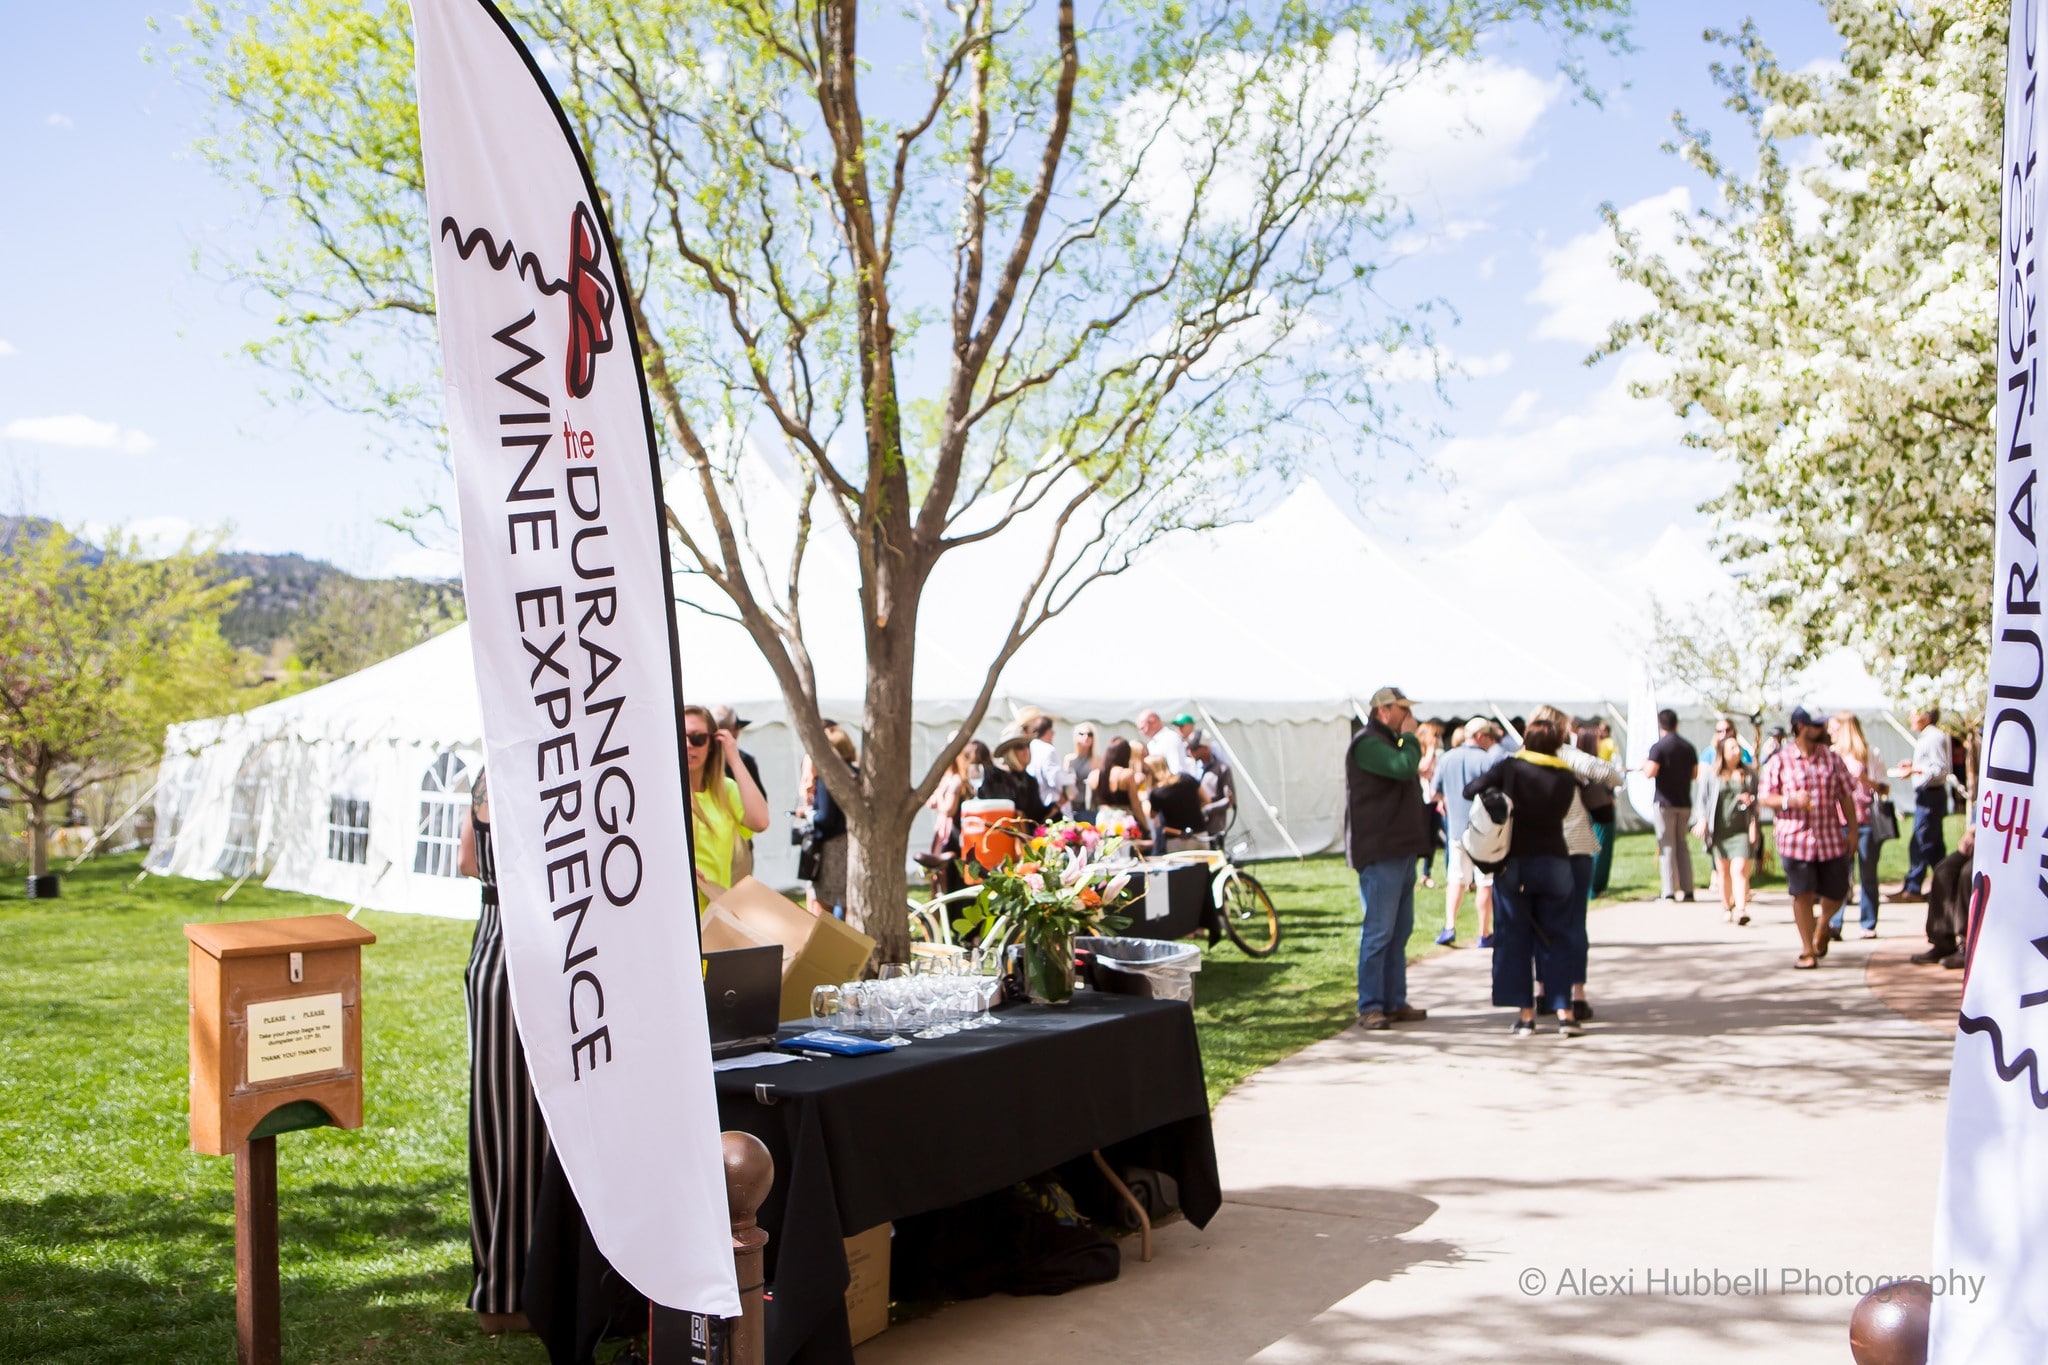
859	1141
1170	904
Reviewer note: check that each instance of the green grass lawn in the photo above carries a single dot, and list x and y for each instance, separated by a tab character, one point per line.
116	1241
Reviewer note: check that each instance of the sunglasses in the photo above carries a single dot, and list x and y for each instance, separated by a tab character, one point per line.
697	740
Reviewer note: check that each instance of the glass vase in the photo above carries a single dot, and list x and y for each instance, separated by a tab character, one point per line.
1049	970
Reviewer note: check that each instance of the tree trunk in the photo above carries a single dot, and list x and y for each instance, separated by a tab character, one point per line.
38	838
880	826
877	887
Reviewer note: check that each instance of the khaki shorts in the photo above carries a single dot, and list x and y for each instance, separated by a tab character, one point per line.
1463	870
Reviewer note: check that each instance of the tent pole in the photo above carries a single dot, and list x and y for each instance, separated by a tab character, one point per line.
1893	721
1271	812
222	898
95	841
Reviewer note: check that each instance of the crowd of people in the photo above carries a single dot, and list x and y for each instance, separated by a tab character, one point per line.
1170	787
1413	786
1410	784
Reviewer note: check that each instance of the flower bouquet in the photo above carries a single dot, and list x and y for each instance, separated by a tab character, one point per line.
1067	879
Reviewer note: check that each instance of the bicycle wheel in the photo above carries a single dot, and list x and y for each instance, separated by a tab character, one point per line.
1249	917
927	923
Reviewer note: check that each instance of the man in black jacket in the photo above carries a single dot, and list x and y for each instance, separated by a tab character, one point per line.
1386	829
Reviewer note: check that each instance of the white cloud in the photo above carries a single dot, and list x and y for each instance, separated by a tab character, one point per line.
1445	144
421	561
58	121
156	535
1412	364
7	347
82	432
1615	466
1579	289
1461	135
1437	236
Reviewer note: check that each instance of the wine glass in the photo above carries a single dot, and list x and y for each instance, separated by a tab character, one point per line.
975	773
895	1000
990	990
856	1007
827	1003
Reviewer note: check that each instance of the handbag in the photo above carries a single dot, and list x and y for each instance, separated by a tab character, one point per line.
1884	819
1489	830
810	860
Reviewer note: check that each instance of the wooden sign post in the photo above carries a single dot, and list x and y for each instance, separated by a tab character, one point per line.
277	1045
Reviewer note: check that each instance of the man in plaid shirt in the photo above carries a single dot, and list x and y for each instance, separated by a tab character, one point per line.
1810	789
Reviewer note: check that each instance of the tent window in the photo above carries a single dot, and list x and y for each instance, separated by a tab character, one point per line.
444	805
348	829
171	806
238	853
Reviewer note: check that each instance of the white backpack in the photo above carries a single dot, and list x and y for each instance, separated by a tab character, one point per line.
1488	831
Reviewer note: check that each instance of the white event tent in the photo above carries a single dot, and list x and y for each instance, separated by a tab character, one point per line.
1272	632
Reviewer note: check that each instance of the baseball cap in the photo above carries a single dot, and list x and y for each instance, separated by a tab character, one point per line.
1801	716
1391	696
1183	719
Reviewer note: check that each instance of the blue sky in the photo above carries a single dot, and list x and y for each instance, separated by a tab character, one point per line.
123	398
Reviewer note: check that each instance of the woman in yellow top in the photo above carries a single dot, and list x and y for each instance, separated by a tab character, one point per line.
723	797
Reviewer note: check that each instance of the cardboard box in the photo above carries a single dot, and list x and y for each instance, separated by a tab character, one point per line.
817	950
867	1293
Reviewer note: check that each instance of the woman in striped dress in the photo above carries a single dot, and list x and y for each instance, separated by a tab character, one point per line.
508	1140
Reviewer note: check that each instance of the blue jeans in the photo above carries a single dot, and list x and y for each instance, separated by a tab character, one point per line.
1866	878
1582	901
1387	891
1930	805
1534	930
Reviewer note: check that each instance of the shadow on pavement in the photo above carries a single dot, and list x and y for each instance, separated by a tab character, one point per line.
1273	1258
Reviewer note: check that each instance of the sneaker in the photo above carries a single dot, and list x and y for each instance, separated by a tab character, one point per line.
1954	962
1447	938
1523	1028
1928	958
1868	933
1905	897
1581	1010
1687	898
1568	1027
1372	1021
1486	940
1407	1014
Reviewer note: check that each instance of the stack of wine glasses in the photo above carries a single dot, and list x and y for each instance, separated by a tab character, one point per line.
936	996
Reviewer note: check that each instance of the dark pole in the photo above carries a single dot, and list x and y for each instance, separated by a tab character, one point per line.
257	1337
679	1338
749	1173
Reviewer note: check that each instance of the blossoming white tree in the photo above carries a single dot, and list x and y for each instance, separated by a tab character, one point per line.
1830	331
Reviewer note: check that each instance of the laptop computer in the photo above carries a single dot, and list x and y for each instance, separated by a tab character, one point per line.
742	999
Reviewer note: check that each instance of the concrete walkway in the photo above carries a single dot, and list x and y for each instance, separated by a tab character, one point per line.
1445	1193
